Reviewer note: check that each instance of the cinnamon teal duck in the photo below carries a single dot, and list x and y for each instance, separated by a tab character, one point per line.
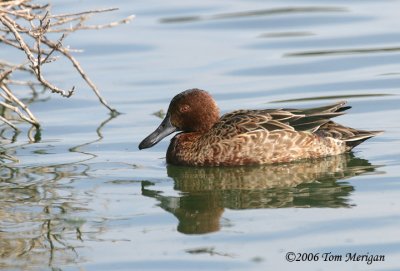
250	137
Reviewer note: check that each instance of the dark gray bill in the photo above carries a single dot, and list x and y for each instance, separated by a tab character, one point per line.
165	129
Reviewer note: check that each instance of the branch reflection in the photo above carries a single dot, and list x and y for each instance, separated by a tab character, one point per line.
206	192
43	213
39	215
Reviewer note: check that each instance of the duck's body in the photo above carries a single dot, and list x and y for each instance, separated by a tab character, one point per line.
249	137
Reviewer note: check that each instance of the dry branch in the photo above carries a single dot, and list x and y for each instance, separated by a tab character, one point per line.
13	99
21	22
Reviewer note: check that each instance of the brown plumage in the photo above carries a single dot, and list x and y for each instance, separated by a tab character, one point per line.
246	137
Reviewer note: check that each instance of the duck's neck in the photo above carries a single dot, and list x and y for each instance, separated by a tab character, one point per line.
182	149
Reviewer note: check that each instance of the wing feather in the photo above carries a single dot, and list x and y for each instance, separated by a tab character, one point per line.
245	121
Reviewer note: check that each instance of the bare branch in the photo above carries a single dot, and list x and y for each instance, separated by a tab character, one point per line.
10	25
35	63
13	3
18	46
81	72
8	42
22	22
24	13
93	27
8	123
58	45
15	66
83	13
21	83
13	98
19	113
4	74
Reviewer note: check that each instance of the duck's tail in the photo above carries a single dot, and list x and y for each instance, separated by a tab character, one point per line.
359	138
352	137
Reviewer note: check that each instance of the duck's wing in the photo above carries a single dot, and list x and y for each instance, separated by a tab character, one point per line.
336	107
244	121
313	118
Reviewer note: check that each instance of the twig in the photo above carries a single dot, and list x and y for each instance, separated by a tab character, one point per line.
81	72
11	65
21	21
24	13
19	113
9	123
16	45
93	27
83	13
13	3
32	133
24	107
22	83
4	155
58	45
34	62
33	6
4	74
8	42
9	24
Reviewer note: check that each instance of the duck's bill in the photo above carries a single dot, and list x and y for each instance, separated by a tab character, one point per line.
165	129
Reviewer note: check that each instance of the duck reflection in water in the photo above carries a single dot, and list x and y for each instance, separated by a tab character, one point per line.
206	192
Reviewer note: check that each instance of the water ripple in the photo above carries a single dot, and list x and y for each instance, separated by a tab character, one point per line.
254	13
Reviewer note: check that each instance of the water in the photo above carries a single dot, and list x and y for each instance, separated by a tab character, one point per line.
84	198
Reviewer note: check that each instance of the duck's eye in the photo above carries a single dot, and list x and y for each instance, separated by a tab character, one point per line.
184	108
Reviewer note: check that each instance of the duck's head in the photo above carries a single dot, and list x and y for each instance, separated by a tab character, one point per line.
193	110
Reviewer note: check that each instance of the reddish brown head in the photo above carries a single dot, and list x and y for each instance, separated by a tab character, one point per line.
193	110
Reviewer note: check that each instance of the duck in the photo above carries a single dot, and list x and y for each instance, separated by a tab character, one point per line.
250	137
